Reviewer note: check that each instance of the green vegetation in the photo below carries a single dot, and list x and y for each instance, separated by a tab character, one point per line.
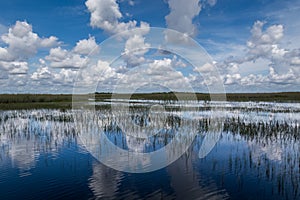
271	97
35	101
64	101
33	98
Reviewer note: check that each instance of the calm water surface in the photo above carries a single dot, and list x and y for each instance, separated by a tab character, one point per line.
256	157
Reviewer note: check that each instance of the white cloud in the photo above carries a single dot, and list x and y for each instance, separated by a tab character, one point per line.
87	46
106	14
41	73
207	67
53	78
61	58
100	75
231	79
264	43
76	58
295	61
182	14
22	42
153	75
135	48
272	78
263	61
254	80
181	18
286	78
208	75
49	42
177	62
65	76
136	42
162	72
263	48
14	67
5	55
18	81
263	51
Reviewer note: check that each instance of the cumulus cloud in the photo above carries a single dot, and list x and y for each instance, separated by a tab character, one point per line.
206	68
295	60
14	67
106	14
22	42
100	73
177	62
136	42
5	55
41	73
272	78
61	58
182	14
65	76
232	78
264	43
181	18
135	48
60	67
18	81
161	72
292	58
263	51
75	58
285	78
87	46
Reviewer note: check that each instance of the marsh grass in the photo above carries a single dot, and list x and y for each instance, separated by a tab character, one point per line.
64	101
273	152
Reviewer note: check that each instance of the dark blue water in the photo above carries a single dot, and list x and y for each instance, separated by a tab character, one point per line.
51	163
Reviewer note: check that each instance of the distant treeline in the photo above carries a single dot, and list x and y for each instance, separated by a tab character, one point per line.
271	97
19	101
33	98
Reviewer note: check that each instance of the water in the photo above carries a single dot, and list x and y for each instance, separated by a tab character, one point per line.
257	155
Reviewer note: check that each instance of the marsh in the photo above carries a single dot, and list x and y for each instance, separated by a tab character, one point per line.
43	154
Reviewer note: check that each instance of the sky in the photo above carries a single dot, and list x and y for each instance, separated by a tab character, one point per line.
149	45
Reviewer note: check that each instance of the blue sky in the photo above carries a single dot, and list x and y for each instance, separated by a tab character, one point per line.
44	45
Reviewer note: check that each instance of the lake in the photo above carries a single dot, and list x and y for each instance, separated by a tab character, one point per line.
208	150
